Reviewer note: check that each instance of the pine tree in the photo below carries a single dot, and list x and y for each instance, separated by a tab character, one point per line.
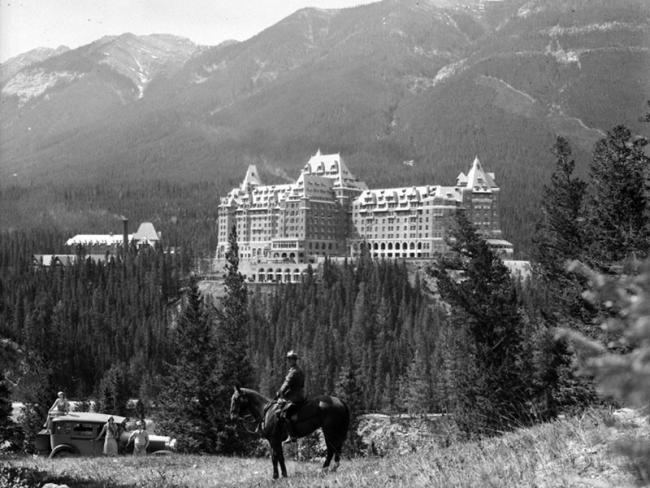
477	285
349	390
617	204
560	233
233	365
188	394
417	392
5	406
114	391
624	374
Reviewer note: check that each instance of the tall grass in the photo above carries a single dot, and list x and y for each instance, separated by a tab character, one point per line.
564	453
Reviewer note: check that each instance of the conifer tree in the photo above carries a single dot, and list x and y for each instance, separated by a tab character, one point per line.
187	398
5	406
417	392
114	391
624	374
477	285
233	365
617	204
560	233
349	390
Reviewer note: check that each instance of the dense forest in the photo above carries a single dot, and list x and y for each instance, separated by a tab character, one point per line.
458	336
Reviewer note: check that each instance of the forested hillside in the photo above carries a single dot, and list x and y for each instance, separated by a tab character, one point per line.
185	214
433	82
461	336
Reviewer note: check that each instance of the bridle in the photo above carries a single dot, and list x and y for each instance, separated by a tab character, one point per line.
242	419
259	423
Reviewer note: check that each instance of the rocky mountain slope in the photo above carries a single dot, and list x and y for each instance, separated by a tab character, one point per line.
433	81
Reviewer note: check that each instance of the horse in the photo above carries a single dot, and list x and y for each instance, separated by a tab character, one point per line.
328	413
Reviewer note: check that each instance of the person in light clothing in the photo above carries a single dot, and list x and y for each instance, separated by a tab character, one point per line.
110	431
140	439
61	406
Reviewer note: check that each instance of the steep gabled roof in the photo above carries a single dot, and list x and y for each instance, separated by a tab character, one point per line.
251	179
146	232
477	178
332	166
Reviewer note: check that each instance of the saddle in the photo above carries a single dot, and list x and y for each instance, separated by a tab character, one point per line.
287	410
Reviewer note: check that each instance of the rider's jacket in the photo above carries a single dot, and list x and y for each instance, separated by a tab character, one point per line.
293	388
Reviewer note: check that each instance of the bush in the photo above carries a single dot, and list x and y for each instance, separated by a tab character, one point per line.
31	421
621	368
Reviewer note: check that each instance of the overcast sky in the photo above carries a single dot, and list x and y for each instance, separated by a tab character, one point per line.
27	24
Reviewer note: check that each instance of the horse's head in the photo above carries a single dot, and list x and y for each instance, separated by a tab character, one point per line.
238	402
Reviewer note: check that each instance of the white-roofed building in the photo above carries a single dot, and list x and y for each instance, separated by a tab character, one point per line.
145	235
327	211
413	222
295	222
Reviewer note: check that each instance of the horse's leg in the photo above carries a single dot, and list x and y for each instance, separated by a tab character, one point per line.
337	458
334	445
281	460
274	460
330	453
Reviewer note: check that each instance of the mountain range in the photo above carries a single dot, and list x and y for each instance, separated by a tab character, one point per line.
431	82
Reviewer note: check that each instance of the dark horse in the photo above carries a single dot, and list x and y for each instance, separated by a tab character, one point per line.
327	412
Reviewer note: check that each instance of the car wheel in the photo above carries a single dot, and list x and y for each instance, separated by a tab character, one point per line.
63	453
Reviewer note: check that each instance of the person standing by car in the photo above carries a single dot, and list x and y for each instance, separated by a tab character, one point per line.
61	406
110	431
140	439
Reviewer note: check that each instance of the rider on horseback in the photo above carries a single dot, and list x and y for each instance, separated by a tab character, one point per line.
292	392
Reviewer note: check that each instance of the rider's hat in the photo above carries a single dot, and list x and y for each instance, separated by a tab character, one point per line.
292	354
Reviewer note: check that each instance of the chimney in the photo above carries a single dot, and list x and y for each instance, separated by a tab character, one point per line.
125	236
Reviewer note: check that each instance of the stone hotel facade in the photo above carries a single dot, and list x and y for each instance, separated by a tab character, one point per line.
328	212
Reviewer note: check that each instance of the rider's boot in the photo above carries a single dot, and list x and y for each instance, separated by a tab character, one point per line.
292	437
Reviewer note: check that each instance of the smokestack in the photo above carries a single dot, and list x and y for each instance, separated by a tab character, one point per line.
125	236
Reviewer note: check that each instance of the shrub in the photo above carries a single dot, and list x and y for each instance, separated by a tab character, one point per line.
621	368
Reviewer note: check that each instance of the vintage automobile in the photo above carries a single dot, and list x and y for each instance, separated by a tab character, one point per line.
74	434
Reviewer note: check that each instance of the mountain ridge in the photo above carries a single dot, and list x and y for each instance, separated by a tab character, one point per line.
381	83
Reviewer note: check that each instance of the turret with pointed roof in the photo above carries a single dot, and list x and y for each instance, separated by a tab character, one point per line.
477	179
251	179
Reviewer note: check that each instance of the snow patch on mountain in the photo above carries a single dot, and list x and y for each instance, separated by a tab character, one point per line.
561	55
528	9
558	30
33	83
211	68
262	75
197	79
449	70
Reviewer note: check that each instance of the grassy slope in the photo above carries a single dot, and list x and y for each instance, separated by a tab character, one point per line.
576	452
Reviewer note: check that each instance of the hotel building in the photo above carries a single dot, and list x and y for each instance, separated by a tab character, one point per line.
327	211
